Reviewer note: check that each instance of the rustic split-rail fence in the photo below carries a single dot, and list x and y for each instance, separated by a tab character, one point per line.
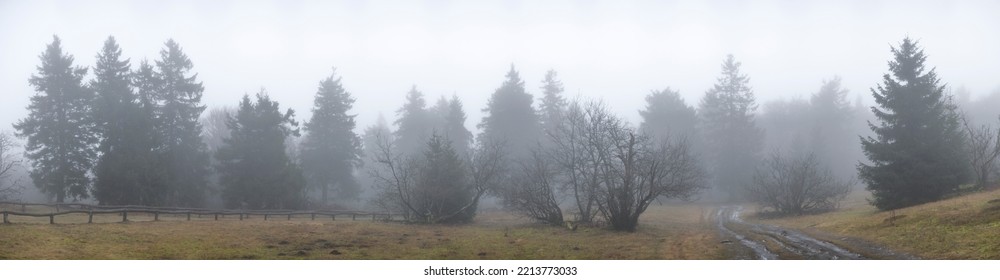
52	210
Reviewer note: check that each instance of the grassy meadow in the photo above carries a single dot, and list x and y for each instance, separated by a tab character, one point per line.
666	232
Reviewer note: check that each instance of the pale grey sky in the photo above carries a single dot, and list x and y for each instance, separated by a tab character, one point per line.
615	50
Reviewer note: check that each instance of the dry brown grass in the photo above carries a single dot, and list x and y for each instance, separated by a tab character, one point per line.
667	232
964	227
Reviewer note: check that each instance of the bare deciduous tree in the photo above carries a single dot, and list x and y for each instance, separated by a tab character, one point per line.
532	190
983	145
10	185
409	184
796	185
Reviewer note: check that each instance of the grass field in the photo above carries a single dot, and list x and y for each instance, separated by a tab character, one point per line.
964	227
667	232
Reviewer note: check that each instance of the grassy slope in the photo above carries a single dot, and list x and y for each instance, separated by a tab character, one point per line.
965	227
668	232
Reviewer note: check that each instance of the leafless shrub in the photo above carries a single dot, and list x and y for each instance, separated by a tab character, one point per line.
532	190
983	144
10	184
796	185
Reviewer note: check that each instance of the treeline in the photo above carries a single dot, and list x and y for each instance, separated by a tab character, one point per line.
136	135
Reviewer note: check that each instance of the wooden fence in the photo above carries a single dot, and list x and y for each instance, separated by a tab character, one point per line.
59	209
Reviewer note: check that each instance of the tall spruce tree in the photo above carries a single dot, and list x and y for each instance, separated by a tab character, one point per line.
331	150
733	141
553	104
413	124
916	155
449	122
185	160
59	127
254	168
510	118
127	161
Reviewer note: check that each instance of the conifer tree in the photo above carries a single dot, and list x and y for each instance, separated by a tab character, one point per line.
667	115
511	119
553	105
732	139
127	161
254	168
59	127
185	160
916	155
413	124
331	150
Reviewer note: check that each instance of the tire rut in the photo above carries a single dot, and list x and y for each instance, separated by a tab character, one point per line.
784	243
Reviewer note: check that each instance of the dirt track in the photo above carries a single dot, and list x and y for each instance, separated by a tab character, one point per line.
760	241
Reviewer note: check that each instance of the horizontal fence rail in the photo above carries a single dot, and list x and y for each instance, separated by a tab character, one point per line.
123	210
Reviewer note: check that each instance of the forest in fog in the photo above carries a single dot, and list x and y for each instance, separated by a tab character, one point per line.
136	132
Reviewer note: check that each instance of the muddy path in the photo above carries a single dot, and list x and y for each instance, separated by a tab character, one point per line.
748	240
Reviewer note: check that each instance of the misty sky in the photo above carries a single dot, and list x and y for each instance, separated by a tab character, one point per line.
615	50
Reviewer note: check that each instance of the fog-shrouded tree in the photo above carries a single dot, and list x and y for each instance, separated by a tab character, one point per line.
983	145
413	124
614	170
61	143
534	191
667	116
437	186
916	155
511	119
553	105
797	184
331	150
126	172
732	140
10	163
254	169
834	129
184	156
448	119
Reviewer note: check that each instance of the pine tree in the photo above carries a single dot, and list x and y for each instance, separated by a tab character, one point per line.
331	150
916	156
413	124
184	157
59	127
667	116
449	122
733	141
127	159
553	105
510	118
832	135
254	168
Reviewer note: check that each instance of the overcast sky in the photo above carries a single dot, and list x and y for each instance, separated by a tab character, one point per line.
614	50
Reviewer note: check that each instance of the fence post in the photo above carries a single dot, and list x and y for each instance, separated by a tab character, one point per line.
354	217
156	216
241	216
289	217
90	216
5	217
216	217
312	216
124	215
265	217
52	219
189	216
57	207
333	217
23	207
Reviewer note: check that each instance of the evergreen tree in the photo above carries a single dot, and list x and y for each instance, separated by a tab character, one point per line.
331	150
916	156
59	127
127	157
449	122
553	105
832	124
666	115
733	141
185	160
413	124
443	187
254	169
510	118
